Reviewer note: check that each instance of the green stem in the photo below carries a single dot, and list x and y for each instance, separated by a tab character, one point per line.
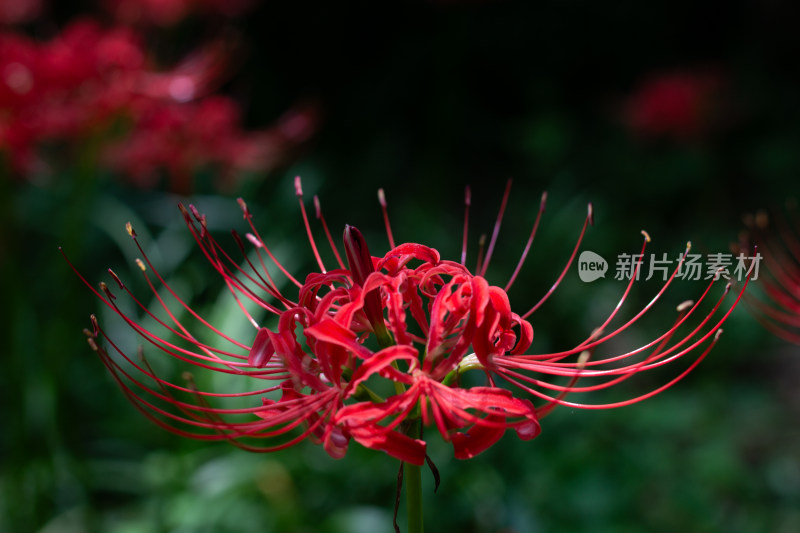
413	480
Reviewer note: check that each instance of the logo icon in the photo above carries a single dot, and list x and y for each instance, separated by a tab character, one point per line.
591	266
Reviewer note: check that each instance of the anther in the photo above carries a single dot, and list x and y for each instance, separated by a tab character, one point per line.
646	236
129	229
255	241
544	201
717	335
381	197
591	214
116	278
140	264
683	306
317	207
105	289
195	213
243	206
298	186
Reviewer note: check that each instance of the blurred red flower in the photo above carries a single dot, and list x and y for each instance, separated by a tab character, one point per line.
90	83
680	105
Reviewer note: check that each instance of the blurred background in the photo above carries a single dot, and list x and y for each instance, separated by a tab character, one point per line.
673	117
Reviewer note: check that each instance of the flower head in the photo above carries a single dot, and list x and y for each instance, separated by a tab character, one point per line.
369	349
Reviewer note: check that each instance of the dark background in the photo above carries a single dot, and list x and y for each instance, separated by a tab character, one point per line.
422	98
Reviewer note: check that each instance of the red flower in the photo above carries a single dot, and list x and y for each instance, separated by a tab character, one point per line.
678	105
84	80
368	349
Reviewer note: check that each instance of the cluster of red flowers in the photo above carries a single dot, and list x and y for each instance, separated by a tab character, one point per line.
92	83
377	346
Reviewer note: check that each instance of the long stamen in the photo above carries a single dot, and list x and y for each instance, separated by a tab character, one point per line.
530	241
496	230
382	201
259	243
318	209
298	190
481	248
589	220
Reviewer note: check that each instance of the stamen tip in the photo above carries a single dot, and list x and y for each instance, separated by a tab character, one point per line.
298	186
590	214
317	206
243	206
544	201
140	264
646	236
255	241
129	228
381	197
717	334
683	306
467	196
583	358
116	278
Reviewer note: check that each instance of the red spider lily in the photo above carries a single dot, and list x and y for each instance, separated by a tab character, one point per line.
88	78
368	349
777	304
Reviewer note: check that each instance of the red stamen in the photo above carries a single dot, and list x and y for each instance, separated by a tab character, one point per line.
529	243
382	201
496	230
298	189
